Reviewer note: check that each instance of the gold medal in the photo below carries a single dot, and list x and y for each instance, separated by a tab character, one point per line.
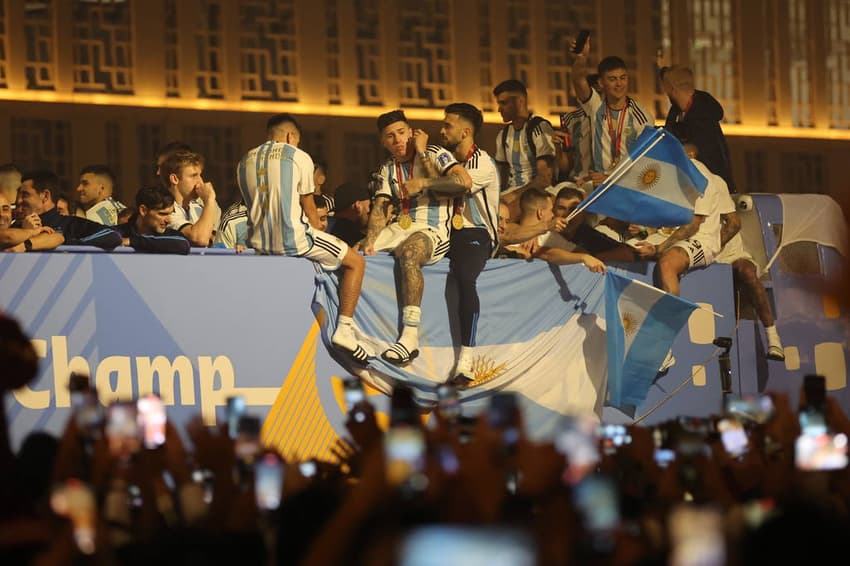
404	221
457	222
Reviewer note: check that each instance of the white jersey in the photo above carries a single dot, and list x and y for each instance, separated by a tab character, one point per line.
714	202
515	151
233	229
604	121
555	240
481	209
577	125
182	216
272	178
105	212
424	208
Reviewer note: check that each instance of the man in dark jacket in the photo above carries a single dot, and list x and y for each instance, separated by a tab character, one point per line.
695	116
147	230
35	207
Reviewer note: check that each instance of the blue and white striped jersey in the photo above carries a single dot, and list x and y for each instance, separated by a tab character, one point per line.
272	178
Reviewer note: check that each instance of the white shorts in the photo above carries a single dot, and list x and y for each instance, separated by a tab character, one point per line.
733	251
327	250
393	235
698	254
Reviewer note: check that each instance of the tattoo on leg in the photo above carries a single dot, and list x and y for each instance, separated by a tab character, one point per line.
412	255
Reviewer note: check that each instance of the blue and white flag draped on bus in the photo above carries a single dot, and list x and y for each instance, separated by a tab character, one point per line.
642	322
541	334
655	185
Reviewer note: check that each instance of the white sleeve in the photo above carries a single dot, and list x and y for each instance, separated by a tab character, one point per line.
542	138
592	104
384	189
305	167
442	158
500	147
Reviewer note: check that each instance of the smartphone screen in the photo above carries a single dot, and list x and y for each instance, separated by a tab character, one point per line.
582	38
613	436
733	436
122	428
504	416
405	454
308	469
818	452
597	501
578	442
353	393
448	403
755	408
445	544
268	481
235	411
152	420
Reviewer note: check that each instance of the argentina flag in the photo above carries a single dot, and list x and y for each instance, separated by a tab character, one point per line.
540	334
655	185
642	321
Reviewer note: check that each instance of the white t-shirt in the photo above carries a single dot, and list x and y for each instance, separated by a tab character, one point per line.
603	120
105	212
714	202
181	217
272	178
481	209
514	151
424	208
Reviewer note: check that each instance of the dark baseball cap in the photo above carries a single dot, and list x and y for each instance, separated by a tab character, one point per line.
348	193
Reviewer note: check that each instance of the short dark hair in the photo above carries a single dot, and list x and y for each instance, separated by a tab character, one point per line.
391	117
72	203
348	193
279	120
570	193
43	180
319	164
100	171
532	199
154	198
510	85
468	112
610	63
321	201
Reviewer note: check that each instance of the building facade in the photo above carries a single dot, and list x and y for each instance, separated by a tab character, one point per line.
110	81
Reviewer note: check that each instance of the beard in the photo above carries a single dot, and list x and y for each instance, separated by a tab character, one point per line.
451	146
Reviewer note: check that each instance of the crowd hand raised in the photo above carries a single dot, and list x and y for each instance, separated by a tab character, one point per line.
597	178
349	456
584	52
528	248
365	432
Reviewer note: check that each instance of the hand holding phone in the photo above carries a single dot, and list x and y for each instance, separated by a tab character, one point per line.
152	420
581	40
268	481
122	429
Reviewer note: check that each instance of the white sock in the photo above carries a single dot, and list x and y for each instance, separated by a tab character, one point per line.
411	315
344	320
772	336
464	360
344	334
409	337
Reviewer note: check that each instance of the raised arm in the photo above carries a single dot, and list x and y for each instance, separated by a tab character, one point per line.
579	74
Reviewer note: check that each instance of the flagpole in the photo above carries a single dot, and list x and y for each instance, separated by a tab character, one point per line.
615	176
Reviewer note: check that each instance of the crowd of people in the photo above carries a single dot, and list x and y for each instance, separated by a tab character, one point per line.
728	489
765	482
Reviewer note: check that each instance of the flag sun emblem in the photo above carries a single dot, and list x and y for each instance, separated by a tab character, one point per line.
650	176
630	324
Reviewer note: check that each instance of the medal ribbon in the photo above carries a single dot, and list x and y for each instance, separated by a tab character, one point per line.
405	200
616	137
